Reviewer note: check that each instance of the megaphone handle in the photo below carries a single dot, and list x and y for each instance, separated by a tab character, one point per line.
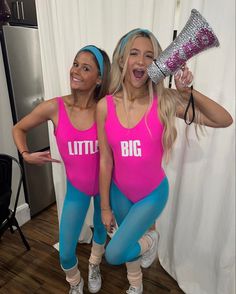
190	102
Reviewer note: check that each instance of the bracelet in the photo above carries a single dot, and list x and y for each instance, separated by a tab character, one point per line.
25	151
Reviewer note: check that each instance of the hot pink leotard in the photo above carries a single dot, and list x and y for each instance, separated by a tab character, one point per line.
79	151
137	152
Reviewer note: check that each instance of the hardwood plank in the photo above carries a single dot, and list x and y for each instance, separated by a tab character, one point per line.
38	270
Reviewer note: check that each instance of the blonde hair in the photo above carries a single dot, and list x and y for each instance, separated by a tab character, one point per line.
168	99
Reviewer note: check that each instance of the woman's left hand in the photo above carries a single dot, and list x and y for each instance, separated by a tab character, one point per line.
108	219
183	79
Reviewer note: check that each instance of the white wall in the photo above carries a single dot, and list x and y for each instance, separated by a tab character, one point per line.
6	141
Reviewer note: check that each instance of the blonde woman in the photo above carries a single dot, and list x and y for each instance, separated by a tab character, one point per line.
136	130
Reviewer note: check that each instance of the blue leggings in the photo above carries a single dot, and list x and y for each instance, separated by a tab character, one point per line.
133	219
74	211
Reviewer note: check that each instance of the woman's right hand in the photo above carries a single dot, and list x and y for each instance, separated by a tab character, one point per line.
39	158
108	220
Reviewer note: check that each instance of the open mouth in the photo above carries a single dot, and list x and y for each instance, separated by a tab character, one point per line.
138	73
74	79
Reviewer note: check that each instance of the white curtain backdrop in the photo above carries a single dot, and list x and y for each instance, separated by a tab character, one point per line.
197	228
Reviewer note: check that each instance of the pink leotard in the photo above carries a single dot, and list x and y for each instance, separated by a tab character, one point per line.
137	152
79	151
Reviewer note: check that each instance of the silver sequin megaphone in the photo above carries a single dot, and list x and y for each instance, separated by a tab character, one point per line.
195	37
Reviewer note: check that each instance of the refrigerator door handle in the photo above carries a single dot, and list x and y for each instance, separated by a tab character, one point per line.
17	10
22	10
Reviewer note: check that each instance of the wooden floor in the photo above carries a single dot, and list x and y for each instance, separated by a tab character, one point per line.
38	270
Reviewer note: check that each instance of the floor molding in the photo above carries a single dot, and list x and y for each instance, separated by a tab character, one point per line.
23	214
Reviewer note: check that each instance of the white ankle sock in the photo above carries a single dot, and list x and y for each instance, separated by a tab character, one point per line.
97	252
145	243
134	273
73	276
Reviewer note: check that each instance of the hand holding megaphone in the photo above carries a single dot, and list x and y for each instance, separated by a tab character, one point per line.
183	78
195	37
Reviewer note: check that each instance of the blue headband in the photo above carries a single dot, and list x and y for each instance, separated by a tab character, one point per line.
130	34
97	54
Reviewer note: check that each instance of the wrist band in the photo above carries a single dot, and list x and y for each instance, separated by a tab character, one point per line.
24	152
108	208
190	102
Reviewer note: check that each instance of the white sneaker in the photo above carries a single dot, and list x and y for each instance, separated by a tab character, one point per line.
135	290
149	256
94	278
78	289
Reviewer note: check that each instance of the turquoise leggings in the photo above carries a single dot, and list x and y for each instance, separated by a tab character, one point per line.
133	219
74	211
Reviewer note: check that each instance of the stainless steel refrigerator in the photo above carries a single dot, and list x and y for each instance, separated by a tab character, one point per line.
21	53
